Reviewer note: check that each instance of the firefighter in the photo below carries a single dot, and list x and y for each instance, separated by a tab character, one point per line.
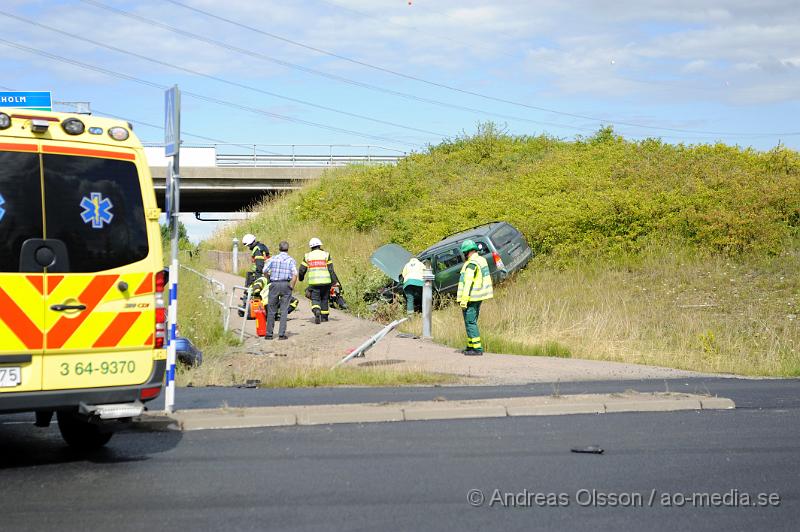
412	283
474	286
317	264
261	284
259	256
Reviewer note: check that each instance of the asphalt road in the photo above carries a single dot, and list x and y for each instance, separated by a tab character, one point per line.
419	475
747	393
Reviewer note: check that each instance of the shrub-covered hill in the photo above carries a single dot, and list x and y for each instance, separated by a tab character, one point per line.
572	197
681	256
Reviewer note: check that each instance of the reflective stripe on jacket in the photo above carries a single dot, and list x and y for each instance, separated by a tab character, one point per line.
259	255
475	282
259	286
412	273
317	262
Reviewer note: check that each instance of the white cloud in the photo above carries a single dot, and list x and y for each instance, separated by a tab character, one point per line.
736	51
719	45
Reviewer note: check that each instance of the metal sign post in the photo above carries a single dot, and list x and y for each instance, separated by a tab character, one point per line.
172	146
427	302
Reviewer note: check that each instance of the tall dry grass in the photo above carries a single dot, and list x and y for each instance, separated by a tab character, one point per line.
668	307
269	373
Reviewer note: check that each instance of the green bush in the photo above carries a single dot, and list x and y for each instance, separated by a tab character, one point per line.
601	193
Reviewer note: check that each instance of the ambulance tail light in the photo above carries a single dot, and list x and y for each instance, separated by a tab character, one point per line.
161	310
162	278
498	261
150	393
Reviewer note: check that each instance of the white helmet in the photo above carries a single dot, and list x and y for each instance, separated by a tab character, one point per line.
314	242
248	239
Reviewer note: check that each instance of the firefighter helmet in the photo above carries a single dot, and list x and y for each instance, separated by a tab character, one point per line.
248	239
314	242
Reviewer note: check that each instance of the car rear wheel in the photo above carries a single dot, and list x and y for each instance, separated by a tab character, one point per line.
80	434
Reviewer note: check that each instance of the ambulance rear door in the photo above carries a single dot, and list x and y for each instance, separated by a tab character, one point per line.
21	278
99	311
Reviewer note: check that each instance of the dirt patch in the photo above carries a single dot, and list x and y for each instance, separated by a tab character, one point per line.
323	345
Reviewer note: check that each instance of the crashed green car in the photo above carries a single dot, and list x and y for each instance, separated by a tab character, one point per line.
503	246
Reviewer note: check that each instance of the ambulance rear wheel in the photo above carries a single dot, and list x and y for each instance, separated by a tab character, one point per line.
80	434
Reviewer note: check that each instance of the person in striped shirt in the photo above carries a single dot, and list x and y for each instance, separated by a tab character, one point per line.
281	270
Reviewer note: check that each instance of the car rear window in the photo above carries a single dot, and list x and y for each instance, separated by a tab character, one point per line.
95	207
503	236
20	205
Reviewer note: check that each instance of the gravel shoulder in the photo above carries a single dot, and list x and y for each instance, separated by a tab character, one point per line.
325	344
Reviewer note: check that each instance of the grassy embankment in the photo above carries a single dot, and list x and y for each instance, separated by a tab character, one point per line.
682	256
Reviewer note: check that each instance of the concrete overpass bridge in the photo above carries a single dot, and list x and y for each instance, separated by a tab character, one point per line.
226	178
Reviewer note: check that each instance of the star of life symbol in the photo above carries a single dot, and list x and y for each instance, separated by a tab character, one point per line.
2	210
97	210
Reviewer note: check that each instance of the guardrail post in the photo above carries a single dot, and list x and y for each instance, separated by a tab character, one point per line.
230	307
246	313
293	159
427	302
235	257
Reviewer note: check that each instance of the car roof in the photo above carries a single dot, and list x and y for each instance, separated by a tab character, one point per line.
473	232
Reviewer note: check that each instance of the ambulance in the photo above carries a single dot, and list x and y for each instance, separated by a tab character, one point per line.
82	280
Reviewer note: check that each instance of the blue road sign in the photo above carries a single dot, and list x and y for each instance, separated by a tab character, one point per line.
172	122
35	101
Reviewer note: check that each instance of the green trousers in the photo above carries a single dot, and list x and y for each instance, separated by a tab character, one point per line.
413	295
471	314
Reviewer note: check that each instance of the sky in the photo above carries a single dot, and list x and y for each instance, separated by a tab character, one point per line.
403	74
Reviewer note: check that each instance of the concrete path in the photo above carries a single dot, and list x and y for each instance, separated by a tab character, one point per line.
282	416
325	344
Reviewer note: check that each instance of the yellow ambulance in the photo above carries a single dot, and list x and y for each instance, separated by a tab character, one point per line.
82	285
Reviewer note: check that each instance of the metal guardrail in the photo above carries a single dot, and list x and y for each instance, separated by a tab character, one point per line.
218	289
259	160
237	308
299	155
217	292
208	279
